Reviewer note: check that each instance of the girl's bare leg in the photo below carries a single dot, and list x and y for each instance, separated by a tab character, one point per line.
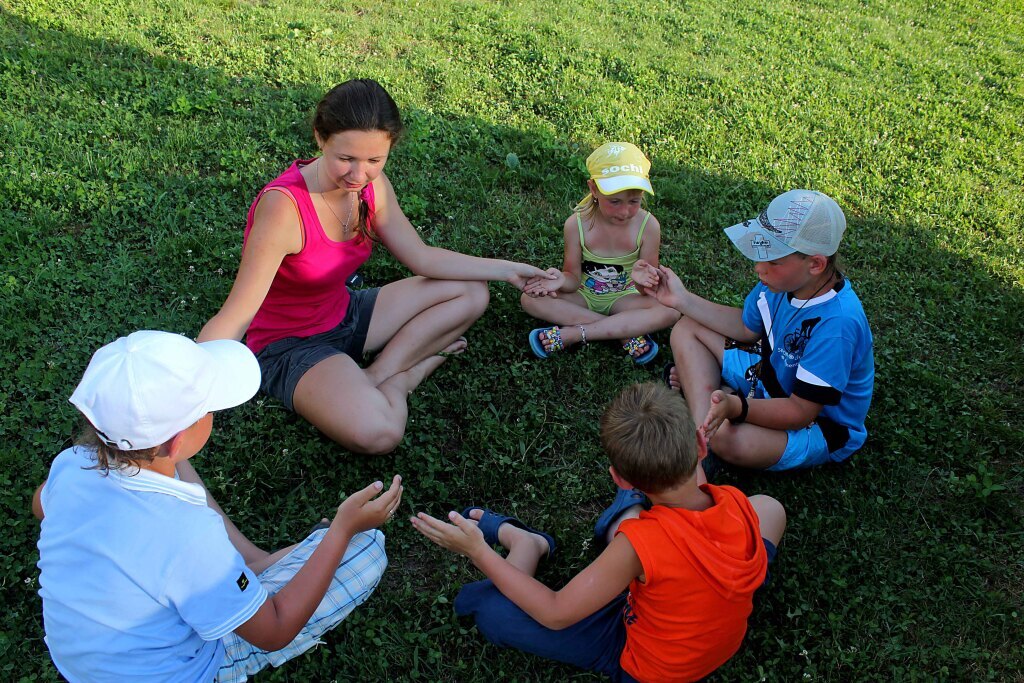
633	316
567	311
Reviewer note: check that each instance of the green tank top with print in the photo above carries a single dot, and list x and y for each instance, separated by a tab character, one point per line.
608	275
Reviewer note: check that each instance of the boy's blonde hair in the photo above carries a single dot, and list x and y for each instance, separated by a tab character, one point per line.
650	437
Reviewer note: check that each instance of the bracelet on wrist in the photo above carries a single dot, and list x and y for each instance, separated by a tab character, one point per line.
744	407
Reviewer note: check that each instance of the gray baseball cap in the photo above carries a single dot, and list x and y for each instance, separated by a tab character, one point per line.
802	221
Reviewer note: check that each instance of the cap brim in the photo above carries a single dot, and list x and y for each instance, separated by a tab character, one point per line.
238	374
756	243
623	182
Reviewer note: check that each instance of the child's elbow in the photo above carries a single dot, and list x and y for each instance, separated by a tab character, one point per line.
556	621
274	644
270	641
37	503
556	624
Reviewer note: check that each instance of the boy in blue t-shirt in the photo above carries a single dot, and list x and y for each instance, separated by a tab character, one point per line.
142	576
797	357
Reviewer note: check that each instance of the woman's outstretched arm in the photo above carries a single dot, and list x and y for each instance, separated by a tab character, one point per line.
275	233
402	240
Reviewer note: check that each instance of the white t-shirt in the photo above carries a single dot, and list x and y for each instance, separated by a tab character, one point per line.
138	578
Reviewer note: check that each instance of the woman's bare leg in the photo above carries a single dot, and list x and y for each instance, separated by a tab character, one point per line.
342	401
415	318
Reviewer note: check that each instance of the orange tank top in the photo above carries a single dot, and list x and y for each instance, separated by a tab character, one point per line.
701	569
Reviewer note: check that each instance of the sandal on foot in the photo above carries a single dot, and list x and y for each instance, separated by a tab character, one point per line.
624	499
635	344
552	334
490	521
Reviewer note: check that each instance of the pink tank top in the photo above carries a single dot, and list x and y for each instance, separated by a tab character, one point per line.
308	295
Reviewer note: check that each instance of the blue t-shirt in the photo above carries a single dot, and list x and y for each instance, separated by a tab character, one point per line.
138	578
821	350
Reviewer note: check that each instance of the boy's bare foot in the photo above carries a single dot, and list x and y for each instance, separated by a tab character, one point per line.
673	378
512	537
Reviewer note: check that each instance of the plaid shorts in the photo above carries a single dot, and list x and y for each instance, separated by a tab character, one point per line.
356	577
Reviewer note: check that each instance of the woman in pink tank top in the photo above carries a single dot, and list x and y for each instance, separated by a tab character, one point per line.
306	233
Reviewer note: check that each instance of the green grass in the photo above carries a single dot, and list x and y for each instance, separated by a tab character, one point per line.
133	135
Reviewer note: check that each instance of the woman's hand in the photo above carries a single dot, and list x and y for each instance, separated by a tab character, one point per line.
520	274
544	286
362	512
462	536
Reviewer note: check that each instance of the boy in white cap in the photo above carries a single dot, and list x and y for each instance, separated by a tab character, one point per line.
796	361
142	577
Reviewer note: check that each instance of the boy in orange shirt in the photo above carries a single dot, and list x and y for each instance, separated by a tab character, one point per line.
691	562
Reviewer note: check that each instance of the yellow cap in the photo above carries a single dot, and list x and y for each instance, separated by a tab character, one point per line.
618	166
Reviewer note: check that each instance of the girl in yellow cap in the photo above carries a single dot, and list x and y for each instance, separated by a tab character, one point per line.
611	247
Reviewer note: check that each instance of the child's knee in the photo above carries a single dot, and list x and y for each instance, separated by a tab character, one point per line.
526	302
492	611
668	317
371	544
685	328
726	443
772	516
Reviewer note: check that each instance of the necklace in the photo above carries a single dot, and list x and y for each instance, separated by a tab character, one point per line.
831	280
834	277
351	212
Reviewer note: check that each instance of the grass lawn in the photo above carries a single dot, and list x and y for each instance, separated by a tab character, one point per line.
133	136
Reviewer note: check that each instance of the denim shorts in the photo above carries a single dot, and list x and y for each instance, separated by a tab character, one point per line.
805	447
284	362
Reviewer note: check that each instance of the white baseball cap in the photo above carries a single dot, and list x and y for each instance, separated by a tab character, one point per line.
141	390
799	220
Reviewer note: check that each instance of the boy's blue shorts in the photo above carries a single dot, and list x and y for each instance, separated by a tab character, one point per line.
805	447
594	643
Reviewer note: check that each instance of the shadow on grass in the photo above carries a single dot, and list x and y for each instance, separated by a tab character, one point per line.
128	180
